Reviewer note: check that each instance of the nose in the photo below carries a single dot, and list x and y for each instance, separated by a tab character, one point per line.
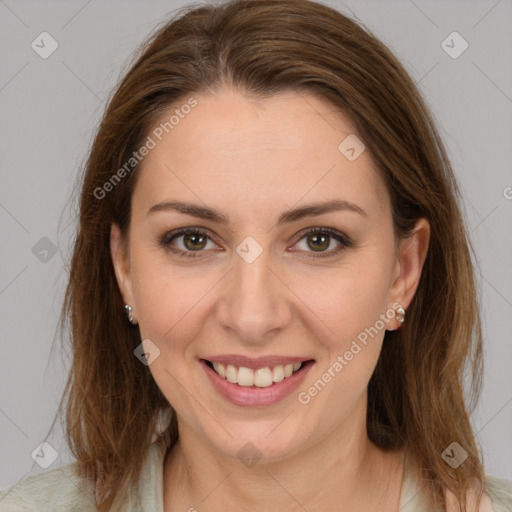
255	304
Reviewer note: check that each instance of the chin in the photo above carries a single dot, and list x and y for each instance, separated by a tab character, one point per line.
265	441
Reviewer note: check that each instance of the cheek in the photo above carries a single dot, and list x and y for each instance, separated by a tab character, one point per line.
351	319
336	303
353	310
169	302
171	306
348	299
174	302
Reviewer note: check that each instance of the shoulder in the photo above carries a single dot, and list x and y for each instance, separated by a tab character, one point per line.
499	492
63	490
57	490
497	497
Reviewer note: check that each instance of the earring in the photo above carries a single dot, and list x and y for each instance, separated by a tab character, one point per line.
400	314
128	311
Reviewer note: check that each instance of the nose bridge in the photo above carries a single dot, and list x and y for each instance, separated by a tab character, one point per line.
255	303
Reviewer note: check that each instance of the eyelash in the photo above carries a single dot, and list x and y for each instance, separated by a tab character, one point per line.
343	239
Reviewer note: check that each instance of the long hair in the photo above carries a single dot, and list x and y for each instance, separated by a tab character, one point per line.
416	396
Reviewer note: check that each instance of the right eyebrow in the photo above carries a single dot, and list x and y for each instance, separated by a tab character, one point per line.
202	212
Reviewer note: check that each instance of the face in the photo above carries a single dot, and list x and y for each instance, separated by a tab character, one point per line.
262	285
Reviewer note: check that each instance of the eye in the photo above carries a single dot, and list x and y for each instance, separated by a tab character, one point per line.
190	242
187	241
319	240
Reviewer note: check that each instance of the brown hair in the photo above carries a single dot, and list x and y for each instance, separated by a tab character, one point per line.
262	47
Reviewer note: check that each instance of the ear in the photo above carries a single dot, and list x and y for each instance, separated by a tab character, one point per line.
121	262
410	259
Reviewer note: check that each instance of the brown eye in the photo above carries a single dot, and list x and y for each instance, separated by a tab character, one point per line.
319	242
187	242
323	242
194	241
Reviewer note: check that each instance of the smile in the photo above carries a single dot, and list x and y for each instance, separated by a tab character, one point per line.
256	382
261	377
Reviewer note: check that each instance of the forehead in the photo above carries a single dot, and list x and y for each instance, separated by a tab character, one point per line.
271	151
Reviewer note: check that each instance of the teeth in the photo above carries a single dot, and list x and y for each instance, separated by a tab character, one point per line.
231	374
261	378
220	369
245	376
278	373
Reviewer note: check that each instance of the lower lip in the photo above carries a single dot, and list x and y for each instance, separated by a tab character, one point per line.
254	396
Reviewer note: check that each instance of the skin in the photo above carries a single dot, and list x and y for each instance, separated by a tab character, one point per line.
253	160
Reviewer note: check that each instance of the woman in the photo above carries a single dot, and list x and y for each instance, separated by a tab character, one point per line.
268	202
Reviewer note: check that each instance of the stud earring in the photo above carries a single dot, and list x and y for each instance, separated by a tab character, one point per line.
128	311
400	314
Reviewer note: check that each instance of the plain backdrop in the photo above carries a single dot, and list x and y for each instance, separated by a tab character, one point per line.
50	109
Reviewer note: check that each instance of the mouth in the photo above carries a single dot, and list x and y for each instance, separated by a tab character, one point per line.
263	377
255	382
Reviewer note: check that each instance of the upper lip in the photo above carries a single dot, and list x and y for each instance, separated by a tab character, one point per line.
255	362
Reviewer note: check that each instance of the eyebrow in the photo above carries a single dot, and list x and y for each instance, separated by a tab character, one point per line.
309	210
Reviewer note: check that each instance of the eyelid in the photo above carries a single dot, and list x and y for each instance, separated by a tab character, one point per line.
323	229
166	240
344	240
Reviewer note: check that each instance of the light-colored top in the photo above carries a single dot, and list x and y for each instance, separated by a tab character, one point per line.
61	490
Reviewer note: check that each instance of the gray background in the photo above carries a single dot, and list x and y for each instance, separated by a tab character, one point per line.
50	108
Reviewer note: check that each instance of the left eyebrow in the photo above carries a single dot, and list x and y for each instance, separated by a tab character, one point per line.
293	215
313	209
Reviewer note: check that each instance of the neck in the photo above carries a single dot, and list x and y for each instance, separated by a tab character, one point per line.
356	475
